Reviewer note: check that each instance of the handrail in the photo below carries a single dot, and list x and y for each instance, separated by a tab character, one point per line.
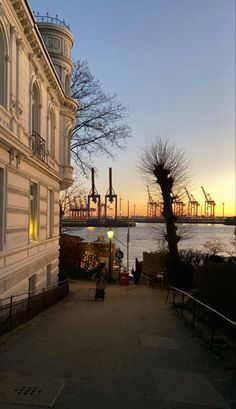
214	313
204	305
43	289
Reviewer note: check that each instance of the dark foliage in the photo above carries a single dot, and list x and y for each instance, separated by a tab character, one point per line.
216	286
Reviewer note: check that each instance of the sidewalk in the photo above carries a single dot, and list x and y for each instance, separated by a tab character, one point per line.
130	351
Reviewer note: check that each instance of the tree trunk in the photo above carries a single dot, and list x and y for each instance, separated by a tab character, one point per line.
172	239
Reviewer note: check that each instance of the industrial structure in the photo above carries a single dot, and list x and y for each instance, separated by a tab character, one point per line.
93	209
178	206
94	197
209	204
192	205
154	207
110	197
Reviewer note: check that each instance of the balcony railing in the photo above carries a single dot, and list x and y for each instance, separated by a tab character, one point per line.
38	146
51	20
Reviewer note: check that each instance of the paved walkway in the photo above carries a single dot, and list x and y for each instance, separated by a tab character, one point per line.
130	351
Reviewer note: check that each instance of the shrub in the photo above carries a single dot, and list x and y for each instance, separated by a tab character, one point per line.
216	287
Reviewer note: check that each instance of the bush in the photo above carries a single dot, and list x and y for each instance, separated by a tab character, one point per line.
154	262
216	287
189	262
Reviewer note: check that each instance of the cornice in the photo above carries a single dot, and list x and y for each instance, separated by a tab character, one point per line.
71	104
40	53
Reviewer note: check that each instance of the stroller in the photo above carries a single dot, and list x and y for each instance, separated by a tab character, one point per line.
100	289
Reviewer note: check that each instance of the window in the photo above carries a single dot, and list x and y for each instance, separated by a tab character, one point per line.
51	133
35	110
33	222
1	207
3	81
50	213
67	84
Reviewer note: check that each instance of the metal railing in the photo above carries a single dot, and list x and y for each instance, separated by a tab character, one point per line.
49	19
213	318
38	146
17	309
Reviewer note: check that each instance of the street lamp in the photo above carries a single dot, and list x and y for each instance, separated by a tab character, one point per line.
110	234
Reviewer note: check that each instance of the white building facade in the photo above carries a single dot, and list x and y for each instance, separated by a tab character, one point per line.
36	120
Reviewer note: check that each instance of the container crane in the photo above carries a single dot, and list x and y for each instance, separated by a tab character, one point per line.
209	204
192	205
110	196
78	210
178	206
94	197
153	206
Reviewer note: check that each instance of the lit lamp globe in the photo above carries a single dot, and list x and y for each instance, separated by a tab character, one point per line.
110	234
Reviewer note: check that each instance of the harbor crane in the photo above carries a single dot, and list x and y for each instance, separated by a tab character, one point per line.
192	205
178	206
153	206
110	196
94	197
79	209
209	204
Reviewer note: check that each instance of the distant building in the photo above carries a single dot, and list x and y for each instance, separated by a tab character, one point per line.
36	120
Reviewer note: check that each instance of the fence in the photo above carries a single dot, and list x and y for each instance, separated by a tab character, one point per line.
196	312
17	309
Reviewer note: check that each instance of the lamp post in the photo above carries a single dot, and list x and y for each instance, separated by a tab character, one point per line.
110	234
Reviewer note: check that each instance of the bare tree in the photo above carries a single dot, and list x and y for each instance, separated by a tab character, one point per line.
69	197
215	246
184	232
100	125
166	163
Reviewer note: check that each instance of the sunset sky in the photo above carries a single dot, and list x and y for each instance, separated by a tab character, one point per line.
172	62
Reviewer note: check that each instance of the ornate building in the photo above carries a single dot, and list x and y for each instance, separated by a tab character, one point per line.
36	120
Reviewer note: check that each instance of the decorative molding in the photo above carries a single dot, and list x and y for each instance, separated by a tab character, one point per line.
14	158
52	42
13	30
12	155
20	44
2	11
16	106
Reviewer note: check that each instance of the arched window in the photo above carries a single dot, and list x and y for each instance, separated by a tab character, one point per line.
67	84
3	69
35	110
51	133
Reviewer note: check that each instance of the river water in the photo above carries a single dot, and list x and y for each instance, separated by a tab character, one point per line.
145	236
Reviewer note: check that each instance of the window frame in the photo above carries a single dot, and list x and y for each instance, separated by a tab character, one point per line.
4	73
2	207
34	212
